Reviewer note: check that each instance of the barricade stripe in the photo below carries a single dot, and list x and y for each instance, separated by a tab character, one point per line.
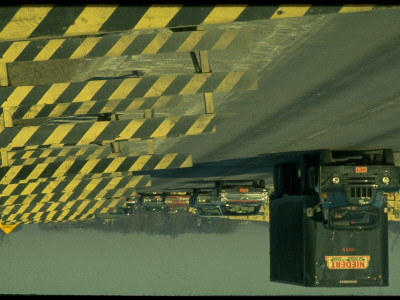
59	211
157	17
91	19
15	174
27	18
72	177
224	14
102	132
117	89
45	21
13	200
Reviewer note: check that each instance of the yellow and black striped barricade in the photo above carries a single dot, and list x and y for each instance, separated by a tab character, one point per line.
91	107
53	155
62	186
37	156
27	21
67	196
128	88
108	131
21	174
60	215
129	43
77	205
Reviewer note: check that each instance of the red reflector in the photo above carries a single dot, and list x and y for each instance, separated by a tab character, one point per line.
244	190
361	169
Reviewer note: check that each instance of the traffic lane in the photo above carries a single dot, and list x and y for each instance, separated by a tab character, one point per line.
291	102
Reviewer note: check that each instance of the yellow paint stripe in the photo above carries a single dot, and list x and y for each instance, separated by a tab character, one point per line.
200	124
51	185
158	41
58	110
45	153
71	186
89	90
224	14
162	101
140	162
29	188
17	96
188	163
84	108
123	90
191	41
8	189
54	206
121	45
161	84
51	47
290	11
115	163
59	133
166	161
195	84
349	8
229	81
110	106
84	48
225	39
91	19
23	136
93	184
37	208
24	22
138	102
11	173
88	167
157	17
165	127
64	166
53	93
14	51
134	181
93	132
130	130
36	171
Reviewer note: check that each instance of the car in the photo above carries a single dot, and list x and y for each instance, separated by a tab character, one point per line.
241	197
206	203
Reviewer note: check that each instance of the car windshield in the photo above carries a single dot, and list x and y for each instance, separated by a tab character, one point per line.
352	217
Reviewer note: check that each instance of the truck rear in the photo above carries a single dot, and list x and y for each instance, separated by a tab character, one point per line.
348	252
177	202
241	197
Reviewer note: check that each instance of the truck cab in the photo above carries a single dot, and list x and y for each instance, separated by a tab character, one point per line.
206	203
177	202
350	184
241	197
152	201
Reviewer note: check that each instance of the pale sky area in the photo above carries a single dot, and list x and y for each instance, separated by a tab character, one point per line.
91	262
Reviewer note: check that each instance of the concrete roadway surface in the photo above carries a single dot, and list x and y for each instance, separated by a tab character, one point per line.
337	87
328	81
